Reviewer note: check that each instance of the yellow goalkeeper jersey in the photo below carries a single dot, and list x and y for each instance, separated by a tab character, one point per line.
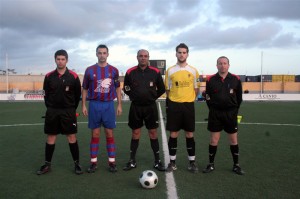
181	83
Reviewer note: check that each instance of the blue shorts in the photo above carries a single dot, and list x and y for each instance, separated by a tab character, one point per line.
102	114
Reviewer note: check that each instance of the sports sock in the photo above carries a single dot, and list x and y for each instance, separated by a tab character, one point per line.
172	148
74	151
212	150
133	148
111	150
94	146
49	150
190	146
235	153
155	148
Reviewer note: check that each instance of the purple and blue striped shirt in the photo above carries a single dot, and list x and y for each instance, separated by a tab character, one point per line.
101	82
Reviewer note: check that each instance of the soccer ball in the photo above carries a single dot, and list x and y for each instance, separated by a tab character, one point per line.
148	179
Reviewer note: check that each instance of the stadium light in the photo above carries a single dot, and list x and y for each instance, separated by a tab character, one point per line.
261	69
8	70
6	64
3	72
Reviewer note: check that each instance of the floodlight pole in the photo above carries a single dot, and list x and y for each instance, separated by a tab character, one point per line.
261	76
6	64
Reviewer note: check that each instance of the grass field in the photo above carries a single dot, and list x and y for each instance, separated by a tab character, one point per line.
269	153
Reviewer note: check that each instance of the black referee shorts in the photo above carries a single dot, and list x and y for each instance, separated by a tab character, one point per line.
60	121
219	120
138	114
180	116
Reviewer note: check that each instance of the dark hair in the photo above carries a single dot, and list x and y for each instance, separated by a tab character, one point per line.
182	45
224	58
101	46
61	52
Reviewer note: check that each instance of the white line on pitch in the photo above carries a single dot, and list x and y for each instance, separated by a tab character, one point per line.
242	123
39	124
171	185
253	123
269	124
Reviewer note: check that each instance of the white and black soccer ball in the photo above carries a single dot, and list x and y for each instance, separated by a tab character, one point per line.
148	179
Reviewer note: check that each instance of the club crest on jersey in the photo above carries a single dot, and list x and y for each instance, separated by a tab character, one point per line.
103	85
67	88
151	84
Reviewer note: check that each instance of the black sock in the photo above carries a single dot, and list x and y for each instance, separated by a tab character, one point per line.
212	150
49	150
235	153
172	147
190	146
74	151
133	148
155	148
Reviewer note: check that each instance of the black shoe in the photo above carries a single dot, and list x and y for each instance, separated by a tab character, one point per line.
210	167
130	165
171	167
112	168
44	169
193	167
78	169
158	166
92	168
238	170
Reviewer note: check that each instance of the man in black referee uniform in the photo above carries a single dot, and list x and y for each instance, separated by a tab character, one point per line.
223	98
62	95
143	84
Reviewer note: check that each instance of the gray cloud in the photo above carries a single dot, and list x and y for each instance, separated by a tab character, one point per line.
261	34
65	19
278	9
175	14
32	30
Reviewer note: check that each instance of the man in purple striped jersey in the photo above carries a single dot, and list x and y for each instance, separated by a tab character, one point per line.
101	86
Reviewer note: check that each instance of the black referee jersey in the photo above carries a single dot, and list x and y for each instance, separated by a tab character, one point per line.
62	91
143	86
224	94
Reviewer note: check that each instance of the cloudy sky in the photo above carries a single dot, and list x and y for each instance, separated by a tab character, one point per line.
252	33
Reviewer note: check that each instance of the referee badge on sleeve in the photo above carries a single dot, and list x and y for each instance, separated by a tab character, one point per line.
207	97
151	84
231	91
67	88
127	88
